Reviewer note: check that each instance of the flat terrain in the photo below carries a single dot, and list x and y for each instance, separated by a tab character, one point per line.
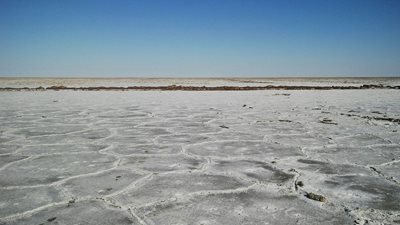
180	157
194	82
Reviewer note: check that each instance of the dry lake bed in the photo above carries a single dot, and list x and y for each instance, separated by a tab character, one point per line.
212	157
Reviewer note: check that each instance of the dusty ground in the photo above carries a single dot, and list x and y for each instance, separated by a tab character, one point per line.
256	157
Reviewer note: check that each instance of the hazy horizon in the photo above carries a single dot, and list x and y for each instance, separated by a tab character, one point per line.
199	38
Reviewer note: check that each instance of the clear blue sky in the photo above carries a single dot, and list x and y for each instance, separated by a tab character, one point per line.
200	38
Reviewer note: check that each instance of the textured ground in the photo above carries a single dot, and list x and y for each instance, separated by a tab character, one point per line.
200	157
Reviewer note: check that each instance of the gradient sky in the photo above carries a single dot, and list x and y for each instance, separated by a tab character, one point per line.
200	38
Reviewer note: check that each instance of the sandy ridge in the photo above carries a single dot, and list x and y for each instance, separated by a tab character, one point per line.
201	88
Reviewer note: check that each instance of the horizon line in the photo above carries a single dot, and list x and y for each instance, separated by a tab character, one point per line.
188	77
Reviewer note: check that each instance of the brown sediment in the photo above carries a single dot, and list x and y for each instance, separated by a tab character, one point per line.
327	121
316	197
389	119
200	88
285	121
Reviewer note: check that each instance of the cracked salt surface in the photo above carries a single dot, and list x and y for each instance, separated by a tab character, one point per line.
162	157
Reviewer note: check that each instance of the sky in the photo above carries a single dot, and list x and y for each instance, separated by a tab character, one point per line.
199	38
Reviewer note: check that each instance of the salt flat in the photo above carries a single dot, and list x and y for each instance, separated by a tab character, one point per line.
33	82
180	157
